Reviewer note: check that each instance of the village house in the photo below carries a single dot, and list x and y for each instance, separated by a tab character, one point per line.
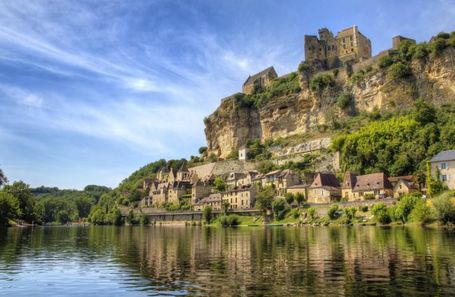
259	80
214	200
443	164
403	185
298	189
281	180
360	187
324	189
240	179
170	187
201	188
242	198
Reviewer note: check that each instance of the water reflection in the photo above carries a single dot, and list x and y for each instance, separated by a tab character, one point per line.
197	261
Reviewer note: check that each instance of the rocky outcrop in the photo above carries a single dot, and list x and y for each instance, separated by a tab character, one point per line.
231	126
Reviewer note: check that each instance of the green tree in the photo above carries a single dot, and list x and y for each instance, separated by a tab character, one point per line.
83	204
333	212
23	194
225	206
264	199
219	184
350	213
279	208
405	206
381	213
9	208
3	179
203	150
299	197
445	208
289	198
207	214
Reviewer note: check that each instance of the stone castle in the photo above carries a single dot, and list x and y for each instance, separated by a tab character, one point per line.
348	46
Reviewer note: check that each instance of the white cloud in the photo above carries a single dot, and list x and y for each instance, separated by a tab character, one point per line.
145	85
22	96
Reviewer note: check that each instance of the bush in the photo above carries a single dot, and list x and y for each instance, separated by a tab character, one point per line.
381	213
344	100
398	71
420	52
279	208
144	220
289	198
350	213
405	206
333	212
303	67
294	213
229	221
363	208
369	197
299	197
385	62
358	77
207	214
445	208
312	213
422	213
320	82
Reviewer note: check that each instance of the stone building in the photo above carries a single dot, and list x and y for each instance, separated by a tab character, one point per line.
242	198
403	185
259	80
358	187
397	40
214	200
349	45
281	180
200	189
324	189
443	165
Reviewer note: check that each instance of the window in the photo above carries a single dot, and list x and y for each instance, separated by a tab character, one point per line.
443	177
443	165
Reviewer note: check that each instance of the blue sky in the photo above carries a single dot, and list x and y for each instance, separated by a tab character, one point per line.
92	90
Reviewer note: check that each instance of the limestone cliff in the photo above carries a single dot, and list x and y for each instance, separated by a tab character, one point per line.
368	87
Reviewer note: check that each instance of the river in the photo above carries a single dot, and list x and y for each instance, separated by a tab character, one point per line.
207	261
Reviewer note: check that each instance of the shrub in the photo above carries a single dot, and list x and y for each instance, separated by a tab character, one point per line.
344	100
299	197
303	67
405	206
420	51
333	212
363	208
369	196
385	62
320	82
358	77
207	214
350	213
279	208
233	220
445	208
422	213
289	198
312	213
399	70
381	213
437	45
294	213
229	221
144	220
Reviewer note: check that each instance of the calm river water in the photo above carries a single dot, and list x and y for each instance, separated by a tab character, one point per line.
249	261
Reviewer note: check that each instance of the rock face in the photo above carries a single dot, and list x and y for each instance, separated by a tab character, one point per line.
232	126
